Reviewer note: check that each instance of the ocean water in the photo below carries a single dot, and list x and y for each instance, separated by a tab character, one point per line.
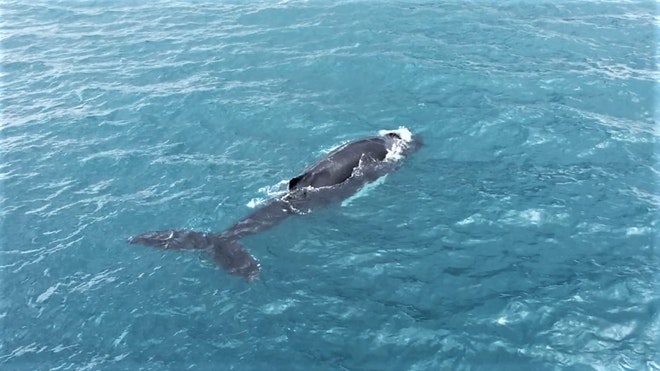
523	235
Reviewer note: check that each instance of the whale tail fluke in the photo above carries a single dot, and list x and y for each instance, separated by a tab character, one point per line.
233	257
227	253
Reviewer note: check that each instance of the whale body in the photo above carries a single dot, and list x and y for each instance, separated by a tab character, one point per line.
335	177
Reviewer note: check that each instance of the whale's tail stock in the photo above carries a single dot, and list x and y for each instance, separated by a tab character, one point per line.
226	252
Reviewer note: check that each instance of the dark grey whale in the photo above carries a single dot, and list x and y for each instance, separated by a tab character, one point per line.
333	178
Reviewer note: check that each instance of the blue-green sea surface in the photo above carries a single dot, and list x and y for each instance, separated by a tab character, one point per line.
523	235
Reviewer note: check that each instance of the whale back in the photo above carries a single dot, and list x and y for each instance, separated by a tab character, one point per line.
340	164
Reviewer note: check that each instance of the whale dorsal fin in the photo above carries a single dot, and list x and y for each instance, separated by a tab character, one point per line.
294	182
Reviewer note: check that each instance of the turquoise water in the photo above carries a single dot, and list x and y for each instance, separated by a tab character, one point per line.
523	235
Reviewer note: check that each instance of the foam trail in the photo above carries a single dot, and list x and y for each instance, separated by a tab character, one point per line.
364	191
270	192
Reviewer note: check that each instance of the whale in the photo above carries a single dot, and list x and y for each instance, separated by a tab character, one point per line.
335	177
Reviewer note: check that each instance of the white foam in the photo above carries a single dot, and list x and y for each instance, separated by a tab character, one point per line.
402	131
253	203
269	192
327	150
396	152
47	294
364	191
